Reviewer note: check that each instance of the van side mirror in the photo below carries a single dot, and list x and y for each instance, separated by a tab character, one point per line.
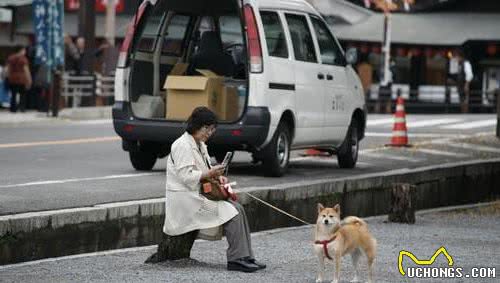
351	56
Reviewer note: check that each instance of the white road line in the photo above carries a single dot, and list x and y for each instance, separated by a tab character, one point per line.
389	156
411	135
93	122
434	122
380	122
61	142
64	181
440	152
474	147
471	125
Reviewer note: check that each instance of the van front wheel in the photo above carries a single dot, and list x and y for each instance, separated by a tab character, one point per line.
142	161
277	152
347	154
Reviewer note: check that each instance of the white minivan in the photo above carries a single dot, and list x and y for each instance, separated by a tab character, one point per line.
296	89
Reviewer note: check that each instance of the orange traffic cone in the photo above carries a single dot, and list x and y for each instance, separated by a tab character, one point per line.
399	131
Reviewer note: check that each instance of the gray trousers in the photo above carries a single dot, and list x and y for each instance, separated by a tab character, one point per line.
237	233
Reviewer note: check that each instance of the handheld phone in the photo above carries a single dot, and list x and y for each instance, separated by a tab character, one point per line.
227	159
225	163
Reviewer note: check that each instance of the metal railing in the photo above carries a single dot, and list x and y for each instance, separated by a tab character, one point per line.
92	87
428	97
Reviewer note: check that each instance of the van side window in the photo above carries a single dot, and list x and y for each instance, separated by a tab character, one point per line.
150	30
303	46
330	51
275	36
230	30
174	37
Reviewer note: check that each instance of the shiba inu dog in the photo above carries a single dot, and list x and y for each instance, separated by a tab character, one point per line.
335	238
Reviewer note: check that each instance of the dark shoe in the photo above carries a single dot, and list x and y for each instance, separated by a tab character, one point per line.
242	265
254	261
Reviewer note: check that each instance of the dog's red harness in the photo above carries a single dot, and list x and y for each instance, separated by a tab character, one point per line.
325	245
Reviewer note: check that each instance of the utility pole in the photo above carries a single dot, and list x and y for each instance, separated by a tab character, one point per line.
386	48
110	21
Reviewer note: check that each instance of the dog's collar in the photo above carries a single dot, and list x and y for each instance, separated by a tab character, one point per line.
325	245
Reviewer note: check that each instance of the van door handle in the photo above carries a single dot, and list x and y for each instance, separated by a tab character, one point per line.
329	77
321	76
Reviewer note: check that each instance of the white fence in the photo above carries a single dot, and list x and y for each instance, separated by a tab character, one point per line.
94	85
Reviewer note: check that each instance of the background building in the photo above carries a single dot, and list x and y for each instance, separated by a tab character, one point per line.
423	41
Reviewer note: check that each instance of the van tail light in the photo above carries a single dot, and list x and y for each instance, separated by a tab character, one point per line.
254	49
129	35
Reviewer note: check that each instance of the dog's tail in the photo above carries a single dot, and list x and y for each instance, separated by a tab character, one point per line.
353	220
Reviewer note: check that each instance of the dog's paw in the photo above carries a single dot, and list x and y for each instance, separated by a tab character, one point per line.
319	280
335	281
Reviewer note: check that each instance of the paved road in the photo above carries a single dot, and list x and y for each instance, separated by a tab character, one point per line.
470	237
54	165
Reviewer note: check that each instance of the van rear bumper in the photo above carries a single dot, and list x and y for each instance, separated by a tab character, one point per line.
249	133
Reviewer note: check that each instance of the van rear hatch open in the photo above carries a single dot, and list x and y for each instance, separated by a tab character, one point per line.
189	53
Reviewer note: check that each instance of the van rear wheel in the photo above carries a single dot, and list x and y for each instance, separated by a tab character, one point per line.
347	155
142	161
277	152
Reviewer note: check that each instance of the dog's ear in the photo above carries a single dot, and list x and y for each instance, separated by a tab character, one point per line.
337	208
320	207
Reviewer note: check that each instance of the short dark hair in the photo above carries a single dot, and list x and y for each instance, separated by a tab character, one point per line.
201	116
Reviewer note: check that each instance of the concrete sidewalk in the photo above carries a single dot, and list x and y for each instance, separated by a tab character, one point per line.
469	235
34	117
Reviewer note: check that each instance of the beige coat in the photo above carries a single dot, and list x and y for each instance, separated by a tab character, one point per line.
185	209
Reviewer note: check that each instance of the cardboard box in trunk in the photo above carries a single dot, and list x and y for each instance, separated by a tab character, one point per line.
185	93
229	108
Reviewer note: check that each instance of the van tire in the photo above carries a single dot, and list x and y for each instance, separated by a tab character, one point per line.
277	153
142	161
347	154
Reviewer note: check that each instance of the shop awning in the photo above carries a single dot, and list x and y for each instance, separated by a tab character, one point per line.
4	3
355	23
452	29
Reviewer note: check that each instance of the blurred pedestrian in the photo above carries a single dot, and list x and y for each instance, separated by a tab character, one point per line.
71	55
79	70
34	95
365	72
18	77
384	103
464	78
71	62
4	91
80	45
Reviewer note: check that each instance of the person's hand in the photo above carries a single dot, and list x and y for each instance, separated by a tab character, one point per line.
223	179
215	172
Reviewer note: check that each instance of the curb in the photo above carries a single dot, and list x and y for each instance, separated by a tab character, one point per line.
31	236
86	113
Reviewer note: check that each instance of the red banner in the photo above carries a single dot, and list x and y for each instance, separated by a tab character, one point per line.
100	5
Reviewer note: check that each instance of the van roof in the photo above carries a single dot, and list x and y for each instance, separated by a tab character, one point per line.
295	5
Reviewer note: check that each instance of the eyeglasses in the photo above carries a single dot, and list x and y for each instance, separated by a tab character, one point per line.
209	130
